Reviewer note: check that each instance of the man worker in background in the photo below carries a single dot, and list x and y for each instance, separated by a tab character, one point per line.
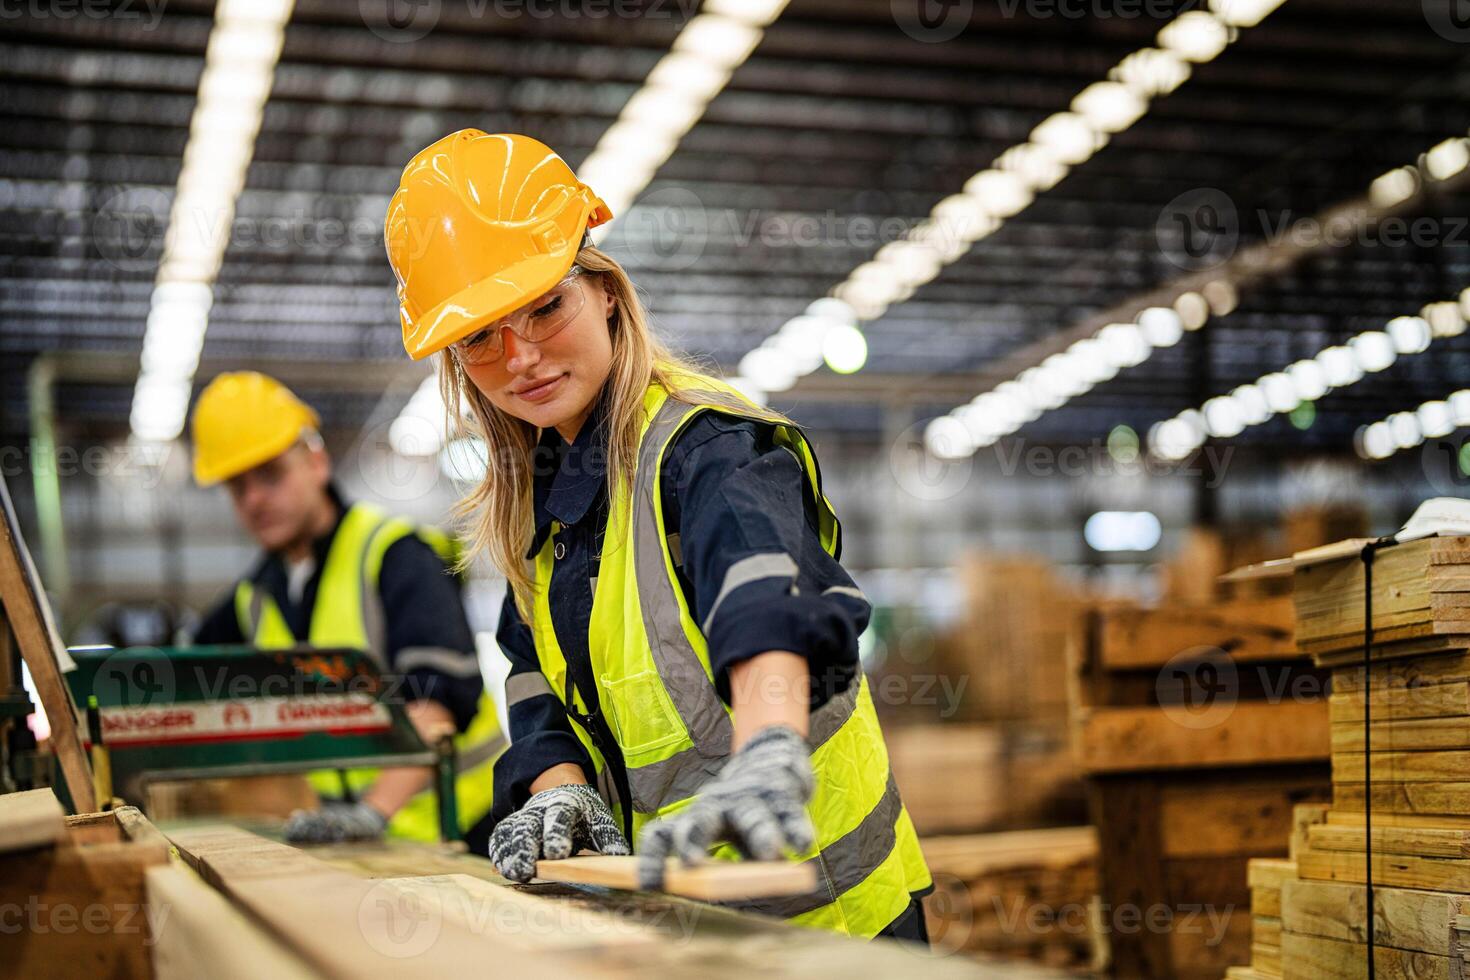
335	574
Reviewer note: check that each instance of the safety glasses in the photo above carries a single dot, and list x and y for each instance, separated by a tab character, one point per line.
537	321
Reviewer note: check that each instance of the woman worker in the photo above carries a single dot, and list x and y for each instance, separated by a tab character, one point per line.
683	641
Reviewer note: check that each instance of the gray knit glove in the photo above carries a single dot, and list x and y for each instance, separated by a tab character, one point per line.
757	802
555	823
335	822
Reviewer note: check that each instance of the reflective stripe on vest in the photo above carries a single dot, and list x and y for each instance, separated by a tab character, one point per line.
348	612
651	662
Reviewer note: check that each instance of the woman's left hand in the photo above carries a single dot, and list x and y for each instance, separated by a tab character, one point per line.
758	803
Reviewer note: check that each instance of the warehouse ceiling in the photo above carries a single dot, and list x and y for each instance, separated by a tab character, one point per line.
839	118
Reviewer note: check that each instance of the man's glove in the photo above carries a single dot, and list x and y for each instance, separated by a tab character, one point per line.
554	824
335	822
757	803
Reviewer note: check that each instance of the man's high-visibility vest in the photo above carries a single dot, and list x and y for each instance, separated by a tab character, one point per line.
655	686
348	613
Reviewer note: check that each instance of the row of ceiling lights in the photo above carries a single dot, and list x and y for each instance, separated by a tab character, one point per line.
239	65
1117	346
1307	380
827	331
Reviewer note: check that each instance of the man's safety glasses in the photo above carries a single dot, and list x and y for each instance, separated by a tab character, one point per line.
537	321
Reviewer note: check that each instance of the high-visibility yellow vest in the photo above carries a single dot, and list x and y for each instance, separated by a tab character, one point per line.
654	682
348	613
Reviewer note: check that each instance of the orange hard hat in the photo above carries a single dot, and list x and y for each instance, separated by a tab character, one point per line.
480	225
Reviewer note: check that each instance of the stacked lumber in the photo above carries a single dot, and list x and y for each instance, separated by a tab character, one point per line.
1417	688
1017	615
969	778
1265	877
74	887
1421	600
1025	894
1200	728
408	910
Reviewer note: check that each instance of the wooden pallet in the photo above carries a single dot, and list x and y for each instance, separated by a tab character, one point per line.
1186	790
78	884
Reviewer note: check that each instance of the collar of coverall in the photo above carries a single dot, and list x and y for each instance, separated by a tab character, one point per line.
568	476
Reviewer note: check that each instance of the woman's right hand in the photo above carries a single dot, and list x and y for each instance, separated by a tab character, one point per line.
555	823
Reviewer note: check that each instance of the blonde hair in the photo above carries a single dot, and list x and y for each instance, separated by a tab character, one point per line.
499	511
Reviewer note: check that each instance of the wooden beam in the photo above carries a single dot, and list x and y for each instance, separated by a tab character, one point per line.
41	648
1246	629
1248	733
31	819
1402	767
1395	703
1405	918
1329	959
1393	796
344	927
1393	870
717	881
202	935
1422	841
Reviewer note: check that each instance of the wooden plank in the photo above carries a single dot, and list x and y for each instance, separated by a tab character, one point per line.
1341	655
1329	959
1247	630
528	921
1393	796
1426	635
1403	767
973	855
1266	959
1266	929
717	881
30	819
1245	817
697	939
1422	841
1266	901
1270	872
41	648
1394	703
1441	668
1384	818
1304	816
1404	735
1248	733
1243	973
1404	918
1394	870
200	934
344	926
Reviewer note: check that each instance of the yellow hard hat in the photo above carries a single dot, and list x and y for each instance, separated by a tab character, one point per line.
479	226
243	419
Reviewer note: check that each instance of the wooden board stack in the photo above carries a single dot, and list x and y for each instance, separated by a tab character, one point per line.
1419	695
1016	616
1025	894
1200	728
1012	776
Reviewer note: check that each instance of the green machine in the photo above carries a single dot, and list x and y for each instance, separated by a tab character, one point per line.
221	711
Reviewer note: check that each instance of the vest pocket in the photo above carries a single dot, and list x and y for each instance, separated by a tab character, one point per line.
642	713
